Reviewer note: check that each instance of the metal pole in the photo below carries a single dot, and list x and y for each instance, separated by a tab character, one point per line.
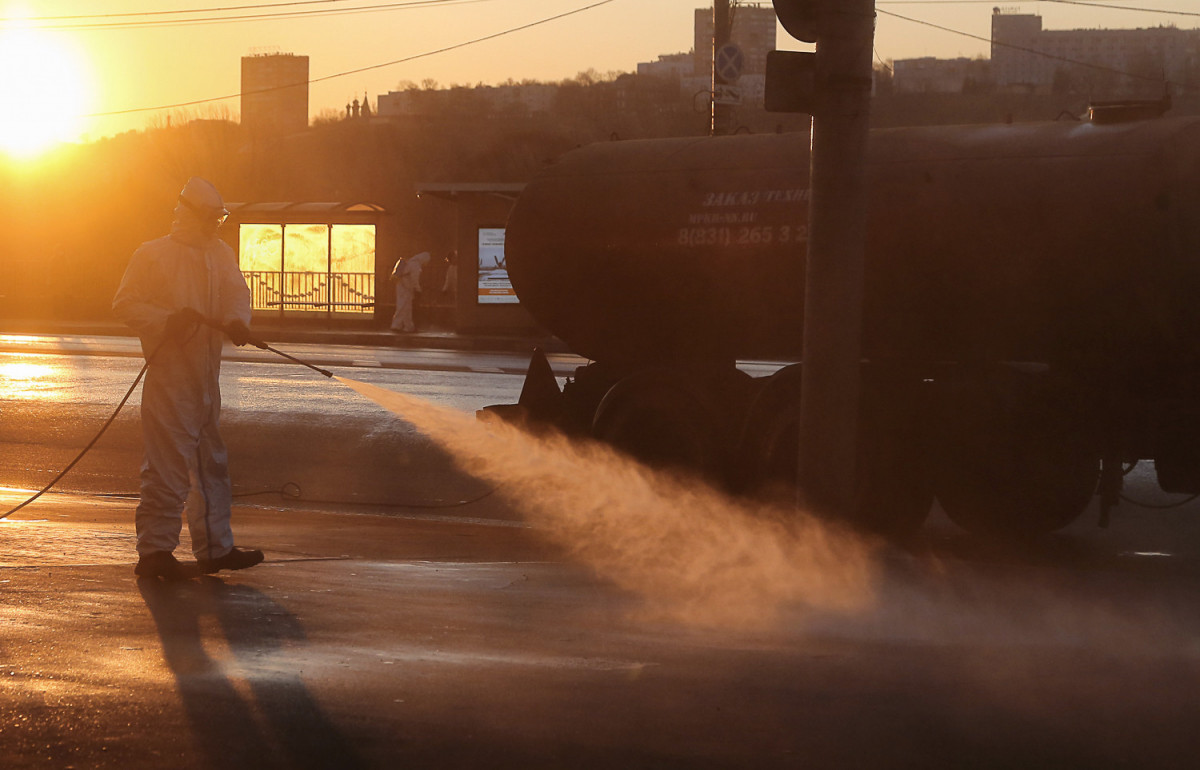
833	295
329	273
722	114
282	269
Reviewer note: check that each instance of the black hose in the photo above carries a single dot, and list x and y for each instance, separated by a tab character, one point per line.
137	380
292	490
91	443
283	491
1160	506
419	506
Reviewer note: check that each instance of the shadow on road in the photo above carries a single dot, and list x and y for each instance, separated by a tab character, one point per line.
277	723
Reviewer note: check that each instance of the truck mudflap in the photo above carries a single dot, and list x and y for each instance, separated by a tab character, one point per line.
540	401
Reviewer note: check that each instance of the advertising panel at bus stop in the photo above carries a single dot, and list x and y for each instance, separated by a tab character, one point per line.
494	286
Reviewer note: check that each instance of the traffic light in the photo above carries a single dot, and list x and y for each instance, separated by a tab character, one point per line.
791	82
801	18
791	85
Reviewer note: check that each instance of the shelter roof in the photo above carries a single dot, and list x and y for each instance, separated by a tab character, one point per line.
310	207
453	190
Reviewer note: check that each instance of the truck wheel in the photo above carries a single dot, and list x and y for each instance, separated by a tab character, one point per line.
895	455
1014	458
665	420
896	493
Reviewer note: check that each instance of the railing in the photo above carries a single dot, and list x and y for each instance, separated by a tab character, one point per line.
312	292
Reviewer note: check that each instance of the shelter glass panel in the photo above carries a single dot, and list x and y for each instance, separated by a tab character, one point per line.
306	249
352	268
260	247
260	254
307	268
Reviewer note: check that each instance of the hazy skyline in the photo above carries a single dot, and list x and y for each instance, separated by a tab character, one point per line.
152	60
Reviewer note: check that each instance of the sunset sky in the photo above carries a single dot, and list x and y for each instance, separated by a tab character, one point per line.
52	67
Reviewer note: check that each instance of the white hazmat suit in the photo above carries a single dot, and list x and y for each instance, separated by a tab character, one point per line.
181	397
407	277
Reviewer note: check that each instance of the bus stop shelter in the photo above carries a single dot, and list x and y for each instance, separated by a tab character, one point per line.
485	300
314	261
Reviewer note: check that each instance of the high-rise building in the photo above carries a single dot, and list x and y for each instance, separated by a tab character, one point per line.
274	94
754	29
1104	61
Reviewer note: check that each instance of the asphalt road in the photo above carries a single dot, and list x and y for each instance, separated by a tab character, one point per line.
286	427
574	613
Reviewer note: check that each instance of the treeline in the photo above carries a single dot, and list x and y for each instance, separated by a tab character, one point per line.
72	218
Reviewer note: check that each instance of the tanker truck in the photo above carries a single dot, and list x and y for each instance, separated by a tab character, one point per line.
1031	321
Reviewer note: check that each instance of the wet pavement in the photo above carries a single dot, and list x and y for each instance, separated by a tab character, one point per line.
279	666
468	640
449	629
365	333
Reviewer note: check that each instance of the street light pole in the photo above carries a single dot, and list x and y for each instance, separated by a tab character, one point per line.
833	297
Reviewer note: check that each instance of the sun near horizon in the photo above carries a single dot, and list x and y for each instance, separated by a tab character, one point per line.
44	90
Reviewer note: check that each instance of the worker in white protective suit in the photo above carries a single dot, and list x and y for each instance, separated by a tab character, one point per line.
406	275
176	289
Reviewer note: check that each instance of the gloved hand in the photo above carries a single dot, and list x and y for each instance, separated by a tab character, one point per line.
182	321
238	333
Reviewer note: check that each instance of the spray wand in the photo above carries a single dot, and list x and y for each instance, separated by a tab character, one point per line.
264	346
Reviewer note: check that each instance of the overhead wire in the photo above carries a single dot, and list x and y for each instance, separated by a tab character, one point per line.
112	21
1114	7
368	68
879	59
299	3
427	3
1159	506
1098	4
165	23
1067	60
174	11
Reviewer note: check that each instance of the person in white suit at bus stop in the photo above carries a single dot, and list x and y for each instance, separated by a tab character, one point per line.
406	275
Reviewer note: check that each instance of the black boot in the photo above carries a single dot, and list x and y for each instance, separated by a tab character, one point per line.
238	558
163	564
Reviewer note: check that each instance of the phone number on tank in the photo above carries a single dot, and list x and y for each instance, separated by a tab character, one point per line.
761	235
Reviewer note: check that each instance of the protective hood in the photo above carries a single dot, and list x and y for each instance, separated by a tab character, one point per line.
199	213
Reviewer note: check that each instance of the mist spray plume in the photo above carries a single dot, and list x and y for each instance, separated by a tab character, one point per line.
691	552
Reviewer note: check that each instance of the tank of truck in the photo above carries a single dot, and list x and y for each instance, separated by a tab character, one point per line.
1047	242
